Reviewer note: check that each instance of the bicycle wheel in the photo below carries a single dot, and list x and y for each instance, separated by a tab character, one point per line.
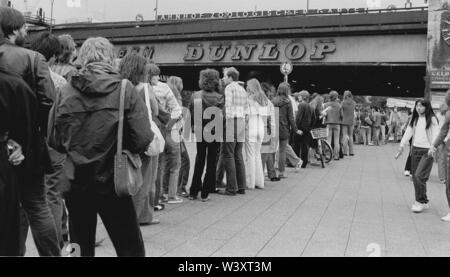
327	151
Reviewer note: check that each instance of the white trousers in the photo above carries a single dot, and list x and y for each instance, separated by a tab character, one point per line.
254	173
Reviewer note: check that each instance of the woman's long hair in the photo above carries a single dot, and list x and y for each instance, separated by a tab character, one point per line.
256	93
133	67
429	113
317	104
176	85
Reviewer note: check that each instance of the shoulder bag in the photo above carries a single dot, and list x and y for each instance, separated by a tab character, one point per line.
127	166
157	145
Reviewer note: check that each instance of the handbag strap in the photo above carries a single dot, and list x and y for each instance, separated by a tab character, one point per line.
147	101
121	115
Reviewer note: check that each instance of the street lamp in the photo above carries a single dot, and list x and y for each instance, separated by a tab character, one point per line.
51	15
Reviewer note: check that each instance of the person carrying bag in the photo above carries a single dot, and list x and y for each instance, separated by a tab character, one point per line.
127	166
156	147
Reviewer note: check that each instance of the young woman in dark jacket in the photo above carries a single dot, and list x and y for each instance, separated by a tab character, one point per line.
286	122
208	100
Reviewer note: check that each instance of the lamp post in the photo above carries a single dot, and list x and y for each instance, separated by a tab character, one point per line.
51	15
307	4
156	11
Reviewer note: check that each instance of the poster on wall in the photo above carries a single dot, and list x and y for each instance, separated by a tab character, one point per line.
438	65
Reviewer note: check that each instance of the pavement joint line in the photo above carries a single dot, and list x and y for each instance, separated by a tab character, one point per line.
322	216
293	187
290	216
356	205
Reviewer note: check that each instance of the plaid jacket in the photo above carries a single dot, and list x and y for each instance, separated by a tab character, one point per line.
236	101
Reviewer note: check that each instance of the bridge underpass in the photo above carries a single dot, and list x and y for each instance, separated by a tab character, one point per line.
390	81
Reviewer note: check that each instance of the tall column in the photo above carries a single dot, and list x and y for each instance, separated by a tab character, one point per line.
438	60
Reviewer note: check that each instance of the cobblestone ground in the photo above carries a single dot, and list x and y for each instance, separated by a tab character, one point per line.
342	210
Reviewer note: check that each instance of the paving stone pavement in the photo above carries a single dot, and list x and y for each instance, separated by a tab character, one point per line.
338	211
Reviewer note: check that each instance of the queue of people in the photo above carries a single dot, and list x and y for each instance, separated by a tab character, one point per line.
62	133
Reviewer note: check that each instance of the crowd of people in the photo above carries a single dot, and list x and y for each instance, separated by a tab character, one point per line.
60	134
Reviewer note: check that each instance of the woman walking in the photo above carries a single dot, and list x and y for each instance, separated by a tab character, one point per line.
286	123
423	130
258	103
207	144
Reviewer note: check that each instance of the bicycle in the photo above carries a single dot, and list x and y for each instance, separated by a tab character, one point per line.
323	149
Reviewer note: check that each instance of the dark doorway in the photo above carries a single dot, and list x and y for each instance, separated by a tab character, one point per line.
390	81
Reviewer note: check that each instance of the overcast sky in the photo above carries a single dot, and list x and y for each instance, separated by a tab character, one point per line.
126	10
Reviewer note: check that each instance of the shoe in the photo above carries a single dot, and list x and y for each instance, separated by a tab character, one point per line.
275	179
184	193
352	155
164	198
159	207
206	199
228	193
407	173
241	191
419	207
446	218
215	191
336	159
154	222
299	165
175	200
190	197
259	187
442	181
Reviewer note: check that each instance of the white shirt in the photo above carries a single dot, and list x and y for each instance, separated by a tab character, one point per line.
420	135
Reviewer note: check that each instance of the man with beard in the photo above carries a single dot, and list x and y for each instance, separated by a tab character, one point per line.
33	69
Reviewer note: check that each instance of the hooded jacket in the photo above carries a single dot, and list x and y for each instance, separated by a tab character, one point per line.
285	116
202	100
87	124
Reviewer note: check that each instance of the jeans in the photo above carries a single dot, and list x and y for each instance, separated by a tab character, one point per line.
9	207
301	146
220	172
208	151
118	216
232	154
282	156
421	165
376	135
36	213
170	162
269	160
347	143
57	183
393	129
142	204
185	167
365	135
334	135
383	134
441	156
